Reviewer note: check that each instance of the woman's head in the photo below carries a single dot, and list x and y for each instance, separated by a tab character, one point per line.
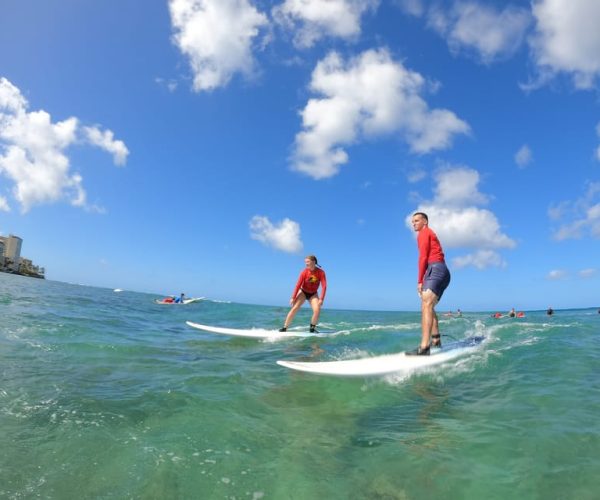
310	261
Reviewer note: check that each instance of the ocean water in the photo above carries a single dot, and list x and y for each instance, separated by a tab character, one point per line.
108	395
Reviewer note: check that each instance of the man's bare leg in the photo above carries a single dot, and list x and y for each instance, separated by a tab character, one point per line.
429	320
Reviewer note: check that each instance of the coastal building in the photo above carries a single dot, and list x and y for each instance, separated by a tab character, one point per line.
12	247
11	260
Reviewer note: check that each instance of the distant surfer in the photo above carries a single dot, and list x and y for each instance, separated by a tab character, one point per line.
180	299
512	313
433	279
307	288
550	311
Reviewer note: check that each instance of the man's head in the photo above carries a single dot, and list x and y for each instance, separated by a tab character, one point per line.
419	220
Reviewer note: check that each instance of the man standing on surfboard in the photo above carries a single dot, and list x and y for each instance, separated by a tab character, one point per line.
306	288
433	279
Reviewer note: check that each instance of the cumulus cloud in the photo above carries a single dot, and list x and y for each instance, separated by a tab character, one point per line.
489	33
4	206
481	259
459	223
457	187
217	37
33	151
312	20
368	96
556	274
523	156
105	140
284	236
567	40
578	218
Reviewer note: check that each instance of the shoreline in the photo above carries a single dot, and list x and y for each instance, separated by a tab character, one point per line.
27	275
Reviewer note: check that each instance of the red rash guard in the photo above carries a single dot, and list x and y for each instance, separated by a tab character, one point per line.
309	282
430	250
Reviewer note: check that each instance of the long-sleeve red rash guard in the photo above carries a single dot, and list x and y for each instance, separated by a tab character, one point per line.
309	281
430	250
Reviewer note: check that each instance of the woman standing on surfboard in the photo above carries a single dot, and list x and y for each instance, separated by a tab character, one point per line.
433	279
306	288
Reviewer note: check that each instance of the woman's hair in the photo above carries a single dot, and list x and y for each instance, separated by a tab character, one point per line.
314	259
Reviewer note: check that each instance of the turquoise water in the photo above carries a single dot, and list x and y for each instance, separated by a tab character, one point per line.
108	395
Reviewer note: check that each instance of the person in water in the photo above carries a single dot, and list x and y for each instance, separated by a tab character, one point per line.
432	279
180	299
307	288
550	311
512	313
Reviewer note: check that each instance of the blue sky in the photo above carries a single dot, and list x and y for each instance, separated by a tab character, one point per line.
207	146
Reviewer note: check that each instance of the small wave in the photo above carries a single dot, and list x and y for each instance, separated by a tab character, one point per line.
465	363
351	353
401	326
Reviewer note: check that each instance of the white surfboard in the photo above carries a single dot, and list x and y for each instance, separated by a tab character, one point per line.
256	333
185	301
387	364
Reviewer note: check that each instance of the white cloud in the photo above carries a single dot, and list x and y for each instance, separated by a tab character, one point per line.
284	236
581	216
489	33
4	206
458	187
170	84
466	227
11	99
481	259
523	156
33	153
587	273
556	274
315	19
217	36
598	148
567	40
416	175
413	7
460	224
370	95
105	140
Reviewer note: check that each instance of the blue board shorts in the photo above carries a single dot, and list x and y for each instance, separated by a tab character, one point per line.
437	278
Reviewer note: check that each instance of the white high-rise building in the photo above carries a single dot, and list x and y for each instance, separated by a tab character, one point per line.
12	246
11	254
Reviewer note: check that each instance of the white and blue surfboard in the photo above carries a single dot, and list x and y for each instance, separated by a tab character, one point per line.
386	364
256	333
